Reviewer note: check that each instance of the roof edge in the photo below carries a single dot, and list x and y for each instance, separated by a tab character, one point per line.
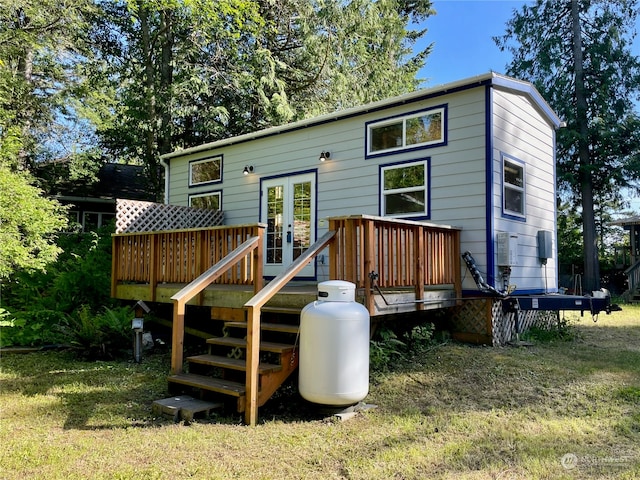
528	89
490	78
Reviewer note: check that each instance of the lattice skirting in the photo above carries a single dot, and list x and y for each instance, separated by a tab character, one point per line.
484	319
137	216
504	324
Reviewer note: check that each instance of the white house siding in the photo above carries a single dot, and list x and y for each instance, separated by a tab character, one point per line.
349	183
520	131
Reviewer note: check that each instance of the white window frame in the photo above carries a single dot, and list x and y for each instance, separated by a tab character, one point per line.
101	221
217	193
402	120
193	163
522	189
424	214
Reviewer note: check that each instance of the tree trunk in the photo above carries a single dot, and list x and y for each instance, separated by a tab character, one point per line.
150	152
25	69
591	279
165	145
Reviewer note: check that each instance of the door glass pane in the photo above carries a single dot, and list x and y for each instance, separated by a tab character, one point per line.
301	218
275	206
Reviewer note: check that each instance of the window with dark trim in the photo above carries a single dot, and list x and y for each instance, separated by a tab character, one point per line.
404	189
415	130
210	200
207	170
513	187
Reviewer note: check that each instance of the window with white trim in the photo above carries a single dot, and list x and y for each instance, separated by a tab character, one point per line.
404	189
210	200
426	128
93	220
204	171
513	187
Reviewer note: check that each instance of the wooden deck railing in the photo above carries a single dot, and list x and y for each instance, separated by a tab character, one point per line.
180	256
401	253
253	246
254	309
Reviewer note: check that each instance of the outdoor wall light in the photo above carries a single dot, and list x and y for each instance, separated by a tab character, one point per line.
324	156
247	170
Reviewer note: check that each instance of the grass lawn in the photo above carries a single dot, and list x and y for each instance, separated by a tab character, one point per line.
566	409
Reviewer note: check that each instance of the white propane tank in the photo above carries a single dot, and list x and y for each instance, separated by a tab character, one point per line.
334	347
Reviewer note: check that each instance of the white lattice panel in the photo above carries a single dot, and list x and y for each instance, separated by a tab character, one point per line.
504	324
135	216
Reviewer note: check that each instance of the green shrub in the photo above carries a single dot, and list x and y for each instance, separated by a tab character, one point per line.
390	345
31	328
103	335
76	285
383	349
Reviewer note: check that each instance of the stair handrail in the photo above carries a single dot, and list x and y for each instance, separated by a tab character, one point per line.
254	306
186	294
633	274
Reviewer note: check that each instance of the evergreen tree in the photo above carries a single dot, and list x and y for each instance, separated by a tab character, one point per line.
39	51
577	53
42	52
192	71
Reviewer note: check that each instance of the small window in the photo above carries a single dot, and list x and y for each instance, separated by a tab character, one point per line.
94	220
73	216
212	200
404	189
426	128
205	171
513	187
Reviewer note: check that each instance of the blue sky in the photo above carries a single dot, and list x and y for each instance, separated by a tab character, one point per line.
462	32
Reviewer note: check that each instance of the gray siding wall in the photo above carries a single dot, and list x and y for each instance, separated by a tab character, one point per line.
521	132
349	184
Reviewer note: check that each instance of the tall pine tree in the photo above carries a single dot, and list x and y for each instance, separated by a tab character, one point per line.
193	71
577	53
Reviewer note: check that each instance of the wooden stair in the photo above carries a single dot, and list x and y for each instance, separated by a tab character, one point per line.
220	374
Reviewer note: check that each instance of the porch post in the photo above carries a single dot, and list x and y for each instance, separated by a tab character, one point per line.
421	259
333	251
457	265
177	338
253	360
115	263
369	264
258	260
153	266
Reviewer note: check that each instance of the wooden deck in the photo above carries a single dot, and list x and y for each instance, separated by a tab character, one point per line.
295	295
396	266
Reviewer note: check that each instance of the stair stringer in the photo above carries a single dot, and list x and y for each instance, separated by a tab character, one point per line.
270	382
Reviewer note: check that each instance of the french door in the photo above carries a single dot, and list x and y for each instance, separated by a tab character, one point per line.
289	209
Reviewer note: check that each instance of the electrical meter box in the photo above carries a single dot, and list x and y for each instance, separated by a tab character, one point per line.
507	248
545	245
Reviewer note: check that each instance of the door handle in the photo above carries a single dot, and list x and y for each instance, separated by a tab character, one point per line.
289	237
